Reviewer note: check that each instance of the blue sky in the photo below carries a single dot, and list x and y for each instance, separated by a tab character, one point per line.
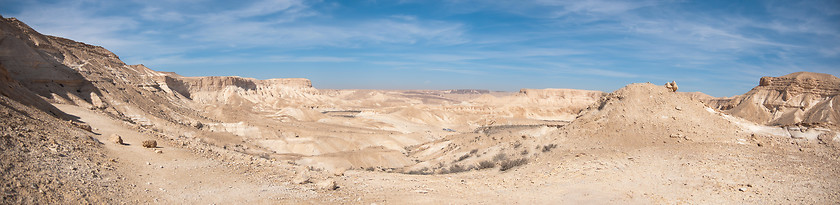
720	48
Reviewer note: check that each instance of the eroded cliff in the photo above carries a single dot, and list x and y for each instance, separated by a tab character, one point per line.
796	98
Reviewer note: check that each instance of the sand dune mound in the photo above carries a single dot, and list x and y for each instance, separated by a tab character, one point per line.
796	98
640	114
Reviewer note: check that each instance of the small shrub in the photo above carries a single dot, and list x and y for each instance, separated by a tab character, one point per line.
423	171
443	171
548	147
486	165
315	169
370	169
506	165
499	157
524	152
462	158
456	168
473	151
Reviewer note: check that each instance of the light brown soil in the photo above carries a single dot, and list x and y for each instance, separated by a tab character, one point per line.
180	175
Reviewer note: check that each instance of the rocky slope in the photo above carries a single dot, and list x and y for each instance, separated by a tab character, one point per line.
48	160
796	98
64	71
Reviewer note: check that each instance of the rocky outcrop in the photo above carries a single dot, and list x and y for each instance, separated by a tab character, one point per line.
217	83
250	92
672	86
290	82
46	159
34	61
467	91
13	90
796	98
63	71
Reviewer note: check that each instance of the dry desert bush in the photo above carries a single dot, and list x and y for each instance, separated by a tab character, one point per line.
508	164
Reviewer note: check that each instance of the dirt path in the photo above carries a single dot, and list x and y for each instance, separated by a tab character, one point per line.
178	176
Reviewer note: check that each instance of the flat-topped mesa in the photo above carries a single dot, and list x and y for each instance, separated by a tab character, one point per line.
291	82
559	93
216	83
796	98
467	91
802	82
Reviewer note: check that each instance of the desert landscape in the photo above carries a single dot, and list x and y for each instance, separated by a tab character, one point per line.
78	125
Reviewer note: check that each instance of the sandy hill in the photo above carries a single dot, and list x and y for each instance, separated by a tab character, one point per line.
635	116
645	113
796	98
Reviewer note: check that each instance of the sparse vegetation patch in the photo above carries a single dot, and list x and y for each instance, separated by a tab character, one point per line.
548	147
508	164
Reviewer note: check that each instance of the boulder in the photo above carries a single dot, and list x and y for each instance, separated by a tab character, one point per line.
149	144
672	86
117	139
328	184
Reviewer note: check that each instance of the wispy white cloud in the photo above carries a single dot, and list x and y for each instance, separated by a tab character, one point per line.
268	34
453	70
265	7
184	60
157	14
56	19
564	68
310	59
268	24
593	7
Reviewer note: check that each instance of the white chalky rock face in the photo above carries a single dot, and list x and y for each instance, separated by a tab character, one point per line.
793	99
